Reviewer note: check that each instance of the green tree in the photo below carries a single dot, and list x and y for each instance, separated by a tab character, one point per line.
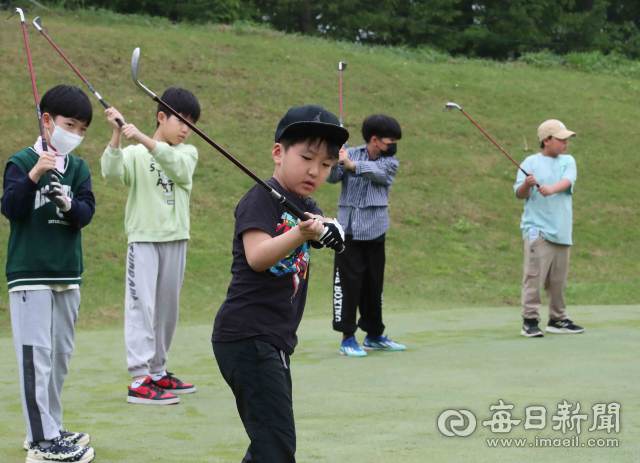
492	28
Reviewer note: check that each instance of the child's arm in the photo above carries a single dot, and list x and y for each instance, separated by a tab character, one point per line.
382	173
83	205
338	170
524	190
263	251
548	190
566	183
114	166
20	190
524	184
178	165
112	116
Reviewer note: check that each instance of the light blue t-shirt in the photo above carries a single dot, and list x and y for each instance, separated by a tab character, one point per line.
553	215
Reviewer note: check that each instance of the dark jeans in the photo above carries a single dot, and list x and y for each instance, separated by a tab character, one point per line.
258	374
358	279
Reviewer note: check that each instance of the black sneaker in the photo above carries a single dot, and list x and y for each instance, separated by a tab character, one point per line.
173	385
60	451
530	328
563	327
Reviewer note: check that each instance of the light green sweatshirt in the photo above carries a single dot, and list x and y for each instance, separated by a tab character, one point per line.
159	184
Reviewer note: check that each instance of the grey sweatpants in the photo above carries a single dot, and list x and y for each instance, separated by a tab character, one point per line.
152	301
43	325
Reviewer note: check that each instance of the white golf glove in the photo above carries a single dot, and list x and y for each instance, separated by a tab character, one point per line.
332	236
57	195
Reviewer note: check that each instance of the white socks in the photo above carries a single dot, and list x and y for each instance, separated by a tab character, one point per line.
136	384
158	376
154	376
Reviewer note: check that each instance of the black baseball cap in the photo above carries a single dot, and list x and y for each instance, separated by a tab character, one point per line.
313	120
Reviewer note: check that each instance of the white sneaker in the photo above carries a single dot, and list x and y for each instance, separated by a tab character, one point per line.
81	439
60	451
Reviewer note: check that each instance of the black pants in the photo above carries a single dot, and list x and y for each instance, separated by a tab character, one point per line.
259	376
357	282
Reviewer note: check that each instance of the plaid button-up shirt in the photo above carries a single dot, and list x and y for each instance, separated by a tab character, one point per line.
363	202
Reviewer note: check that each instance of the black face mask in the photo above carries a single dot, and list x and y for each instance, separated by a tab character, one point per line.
392	149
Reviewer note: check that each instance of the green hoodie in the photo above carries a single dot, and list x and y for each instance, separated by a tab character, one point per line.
159	184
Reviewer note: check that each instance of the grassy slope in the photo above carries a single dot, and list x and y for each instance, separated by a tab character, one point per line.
379	409
449	175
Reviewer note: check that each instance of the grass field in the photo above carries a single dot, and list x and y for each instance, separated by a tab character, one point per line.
455	238
454	248
380	409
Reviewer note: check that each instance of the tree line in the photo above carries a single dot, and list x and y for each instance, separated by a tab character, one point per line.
500	29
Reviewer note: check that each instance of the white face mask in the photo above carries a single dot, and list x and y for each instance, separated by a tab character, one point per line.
62	141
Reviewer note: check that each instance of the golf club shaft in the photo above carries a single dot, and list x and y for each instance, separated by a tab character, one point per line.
341	98
281	199
35	90
495	143
104	103
341	162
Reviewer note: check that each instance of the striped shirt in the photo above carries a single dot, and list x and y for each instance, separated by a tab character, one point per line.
363	202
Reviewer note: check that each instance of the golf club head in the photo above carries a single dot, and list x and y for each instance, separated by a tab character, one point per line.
342	66
37	23
19	11
450	106
135	62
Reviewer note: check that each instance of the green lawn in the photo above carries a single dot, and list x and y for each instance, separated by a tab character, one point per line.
454	247
455	238
380	409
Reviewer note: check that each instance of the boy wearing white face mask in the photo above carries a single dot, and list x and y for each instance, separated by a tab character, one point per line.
44	268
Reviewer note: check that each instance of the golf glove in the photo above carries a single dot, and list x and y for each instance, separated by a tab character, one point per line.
57	195
332	236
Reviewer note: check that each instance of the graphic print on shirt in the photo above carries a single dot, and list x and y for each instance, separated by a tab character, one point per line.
167	184
41	200
297	262
563	165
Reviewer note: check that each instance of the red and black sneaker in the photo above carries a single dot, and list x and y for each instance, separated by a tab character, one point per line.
172	384
150	394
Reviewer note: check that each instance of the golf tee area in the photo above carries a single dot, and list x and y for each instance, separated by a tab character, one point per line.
380	409
454	252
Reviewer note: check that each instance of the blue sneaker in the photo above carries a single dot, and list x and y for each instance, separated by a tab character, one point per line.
381	343
351	348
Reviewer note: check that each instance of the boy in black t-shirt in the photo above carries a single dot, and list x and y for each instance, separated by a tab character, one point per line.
255	329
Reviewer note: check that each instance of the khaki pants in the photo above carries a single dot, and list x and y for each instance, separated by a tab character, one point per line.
548	263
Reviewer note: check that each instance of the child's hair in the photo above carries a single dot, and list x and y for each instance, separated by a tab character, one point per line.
67	101
542	142
381	126
315	141
183	101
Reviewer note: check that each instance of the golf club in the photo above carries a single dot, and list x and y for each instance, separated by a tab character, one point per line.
450	106
37	23
33	82
341	67
135	61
